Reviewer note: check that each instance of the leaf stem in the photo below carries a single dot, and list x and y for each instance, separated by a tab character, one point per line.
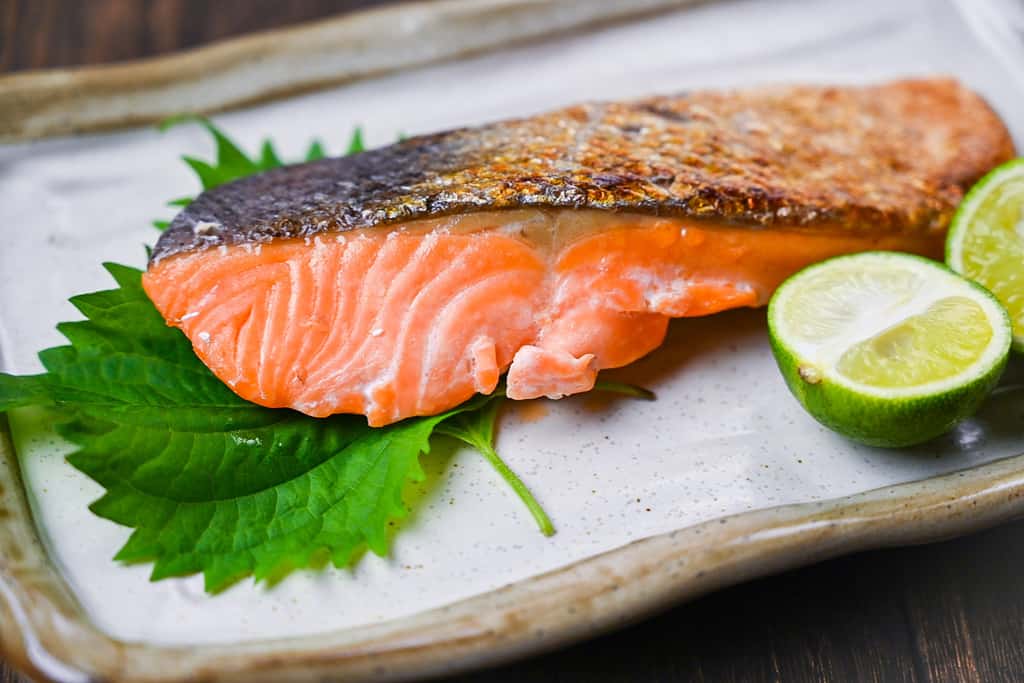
631	390
476	428
524	493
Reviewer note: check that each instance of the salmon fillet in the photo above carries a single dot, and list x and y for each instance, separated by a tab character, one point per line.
403	280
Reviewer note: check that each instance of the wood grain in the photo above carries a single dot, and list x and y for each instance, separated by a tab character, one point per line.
952	611
948	612
60	33
9	676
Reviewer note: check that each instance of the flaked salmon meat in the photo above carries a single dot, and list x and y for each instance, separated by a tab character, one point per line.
402	281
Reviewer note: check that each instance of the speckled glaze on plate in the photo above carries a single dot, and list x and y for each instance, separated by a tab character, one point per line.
722	479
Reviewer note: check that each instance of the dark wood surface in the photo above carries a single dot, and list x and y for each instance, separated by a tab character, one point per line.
951	611
59	33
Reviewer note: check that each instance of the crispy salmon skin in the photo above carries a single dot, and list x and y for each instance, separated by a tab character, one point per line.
400	281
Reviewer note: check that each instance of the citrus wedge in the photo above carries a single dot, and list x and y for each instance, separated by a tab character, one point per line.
986	239
886	348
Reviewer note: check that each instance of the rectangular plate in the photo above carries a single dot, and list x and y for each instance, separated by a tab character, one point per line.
723	478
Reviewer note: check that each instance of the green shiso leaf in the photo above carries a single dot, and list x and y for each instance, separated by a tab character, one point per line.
355	144
231	162
268	156
21	391
316	151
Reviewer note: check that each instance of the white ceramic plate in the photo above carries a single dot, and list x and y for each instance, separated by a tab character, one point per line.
725	439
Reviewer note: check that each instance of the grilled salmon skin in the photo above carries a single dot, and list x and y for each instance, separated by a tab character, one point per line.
401	281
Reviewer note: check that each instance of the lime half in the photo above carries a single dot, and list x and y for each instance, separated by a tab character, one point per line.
887	348
986	239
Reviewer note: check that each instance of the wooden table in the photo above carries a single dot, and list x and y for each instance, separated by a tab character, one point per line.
952	611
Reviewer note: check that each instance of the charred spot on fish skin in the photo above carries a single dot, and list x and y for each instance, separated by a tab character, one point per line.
664	112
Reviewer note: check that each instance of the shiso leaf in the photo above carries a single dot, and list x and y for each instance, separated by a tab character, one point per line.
268	156
24	390
355	144
316	151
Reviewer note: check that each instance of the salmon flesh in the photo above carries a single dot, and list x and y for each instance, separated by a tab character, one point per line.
403	280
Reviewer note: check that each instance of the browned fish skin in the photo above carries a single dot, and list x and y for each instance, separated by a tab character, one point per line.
894	158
